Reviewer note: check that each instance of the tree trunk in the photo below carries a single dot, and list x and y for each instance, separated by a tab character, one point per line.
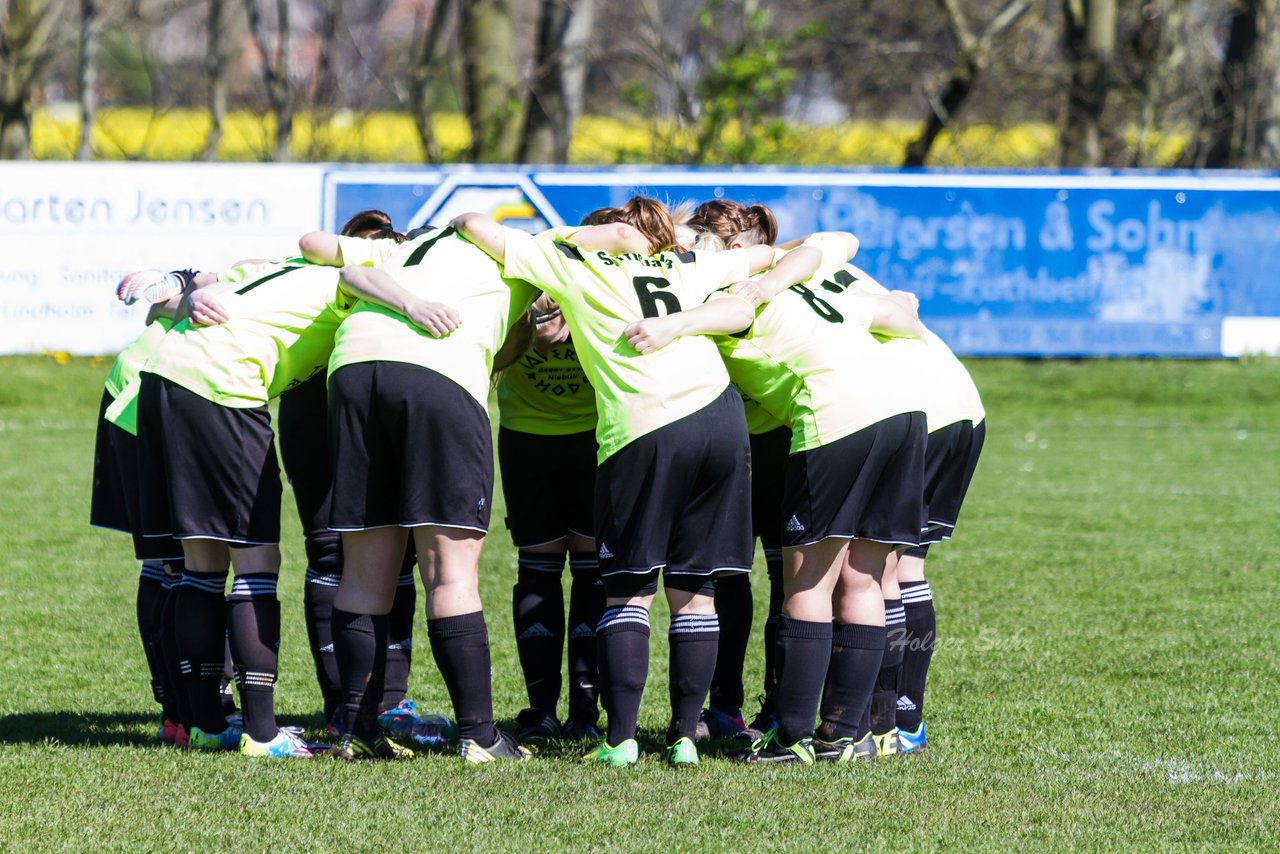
1090	40
325	89
556	91
491	80
422	75
24	51
216	59
1241	128
87	75
275	72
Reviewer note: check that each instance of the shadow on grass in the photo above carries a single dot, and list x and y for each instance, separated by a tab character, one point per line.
90	729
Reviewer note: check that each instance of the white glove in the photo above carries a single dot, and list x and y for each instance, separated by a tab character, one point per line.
150	285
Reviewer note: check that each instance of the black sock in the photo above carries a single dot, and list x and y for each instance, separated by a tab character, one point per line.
856	653
917	652
460	646
733	607
885	699
253	627
624	665
773	560
694	640
804	647
168	640
150	603
586	605
537	608
395	686
225	686
360	647
318	594
200	631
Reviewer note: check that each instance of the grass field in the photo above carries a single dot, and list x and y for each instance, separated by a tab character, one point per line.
1106	675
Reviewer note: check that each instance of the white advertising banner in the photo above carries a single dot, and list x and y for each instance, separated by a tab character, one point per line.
70	231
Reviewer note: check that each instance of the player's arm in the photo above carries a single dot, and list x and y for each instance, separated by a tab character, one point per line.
796	266
484	232
518	339
379	287
321	247
851	242
616	238
722	314
896	316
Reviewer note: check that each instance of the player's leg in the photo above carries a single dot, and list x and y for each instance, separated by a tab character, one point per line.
200	630
404	607
734	611
884	702
253	628
917	650
693	638
623	635
586	590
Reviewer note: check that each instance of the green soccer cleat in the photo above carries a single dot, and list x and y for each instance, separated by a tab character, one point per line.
228	739
354	749
626	753
682	754
887	743
846	750
503	749
767	749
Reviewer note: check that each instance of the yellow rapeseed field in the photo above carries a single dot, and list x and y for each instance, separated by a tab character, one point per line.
125	133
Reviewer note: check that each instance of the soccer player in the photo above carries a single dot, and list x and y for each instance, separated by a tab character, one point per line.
852	494
412	452
114	505
547	457
209	478
671	482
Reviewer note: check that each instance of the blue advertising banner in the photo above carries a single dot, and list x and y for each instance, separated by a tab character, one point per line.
1011	264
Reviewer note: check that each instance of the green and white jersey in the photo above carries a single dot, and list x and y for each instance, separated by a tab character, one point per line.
810	362
947	392
600	295
283	317
443	267
134	356
759	419
363	252
547	395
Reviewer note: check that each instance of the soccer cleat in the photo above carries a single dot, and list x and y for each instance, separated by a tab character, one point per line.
683	753
169	731
504	748
353	749
768	749
182	738
626	753
287	743
575	730
846	750
337	723
887	743
426	728
910	742
717	723
228	739
536	725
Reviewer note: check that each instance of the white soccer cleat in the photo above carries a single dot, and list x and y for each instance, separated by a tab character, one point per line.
150	285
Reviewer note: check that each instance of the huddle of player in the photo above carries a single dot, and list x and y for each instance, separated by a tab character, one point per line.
622	443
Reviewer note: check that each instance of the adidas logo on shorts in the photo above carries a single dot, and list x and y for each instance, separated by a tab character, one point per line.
604	551
905	704
794	524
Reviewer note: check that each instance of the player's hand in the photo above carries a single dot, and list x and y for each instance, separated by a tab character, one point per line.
204	309
652	333
435	317
752	291
910	299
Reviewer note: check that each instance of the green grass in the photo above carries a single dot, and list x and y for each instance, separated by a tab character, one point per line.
1106	674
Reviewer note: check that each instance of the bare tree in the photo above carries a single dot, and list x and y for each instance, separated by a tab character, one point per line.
25	49
216	58
555	101
422	75
1242	124
975	57
490	80
1090	41
275	71
87	75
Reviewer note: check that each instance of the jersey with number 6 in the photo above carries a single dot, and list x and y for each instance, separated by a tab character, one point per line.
442	267
810	362
600	295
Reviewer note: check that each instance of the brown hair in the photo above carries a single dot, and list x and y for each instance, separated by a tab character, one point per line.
371	224
732	221
648	216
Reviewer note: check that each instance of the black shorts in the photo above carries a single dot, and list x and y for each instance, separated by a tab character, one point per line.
868	486
302	423
679	497
410	447
548	483
950	459
205	471
115	500
769	452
